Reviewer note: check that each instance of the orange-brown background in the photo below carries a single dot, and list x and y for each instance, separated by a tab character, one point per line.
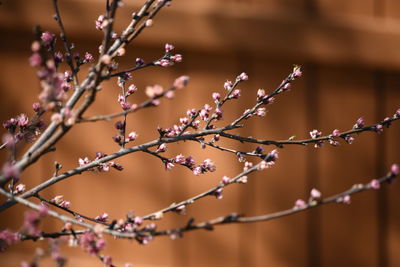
350	53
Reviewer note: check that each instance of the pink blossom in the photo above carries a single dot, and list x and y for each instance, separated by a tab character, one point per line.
286	87
152	91
164	63
397	114
43	210
125	105
83	161
31	222
181	82
297	72
189	161
334	142
242	77
132	136
218	113
170	94
181	209
65	204
359	123
88	57
315	134
242	180
177	58
336	133
11	171
197	171
196	124
247	165
378	128
35	46
216	96
23	120
20	188
138	221
107	260
8	238
91	244
235	94
47	38
99	22
299	204
35	60
162	148
209	165
169	48
191	112
260	93
169	165
225	180
58	199
228	85
102	217
263	165
315	194
179	159
218	193
375	184
184	120
261	112
132	89
346	199
394	169
349	139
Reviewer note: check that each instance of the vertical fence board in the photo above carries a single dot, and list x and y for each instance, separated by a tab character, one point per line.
348	234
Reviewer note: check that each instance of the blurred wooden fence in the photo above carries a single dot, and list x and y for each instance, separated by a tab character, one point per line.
350	53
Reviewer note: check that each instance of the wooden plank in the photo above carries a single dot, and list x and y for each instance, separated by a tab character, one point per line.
392	156
334	39
278	188
343	7
348	233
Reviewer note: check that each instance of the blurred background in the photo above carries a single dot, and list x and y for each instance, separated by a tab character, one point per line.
349	50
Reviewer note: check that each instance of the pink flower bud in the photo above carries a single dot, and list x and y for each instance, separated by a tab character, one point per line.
315	194
177	58
131	89
169	48
242	77
315	134
375	184
132	136
149	23
47	38
181	82
225	180
299	204
394	169
228	85
197	171
19	189
162	148
359	123
216	96
260	93
102	217
336	133
297	72
346	199
65	204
